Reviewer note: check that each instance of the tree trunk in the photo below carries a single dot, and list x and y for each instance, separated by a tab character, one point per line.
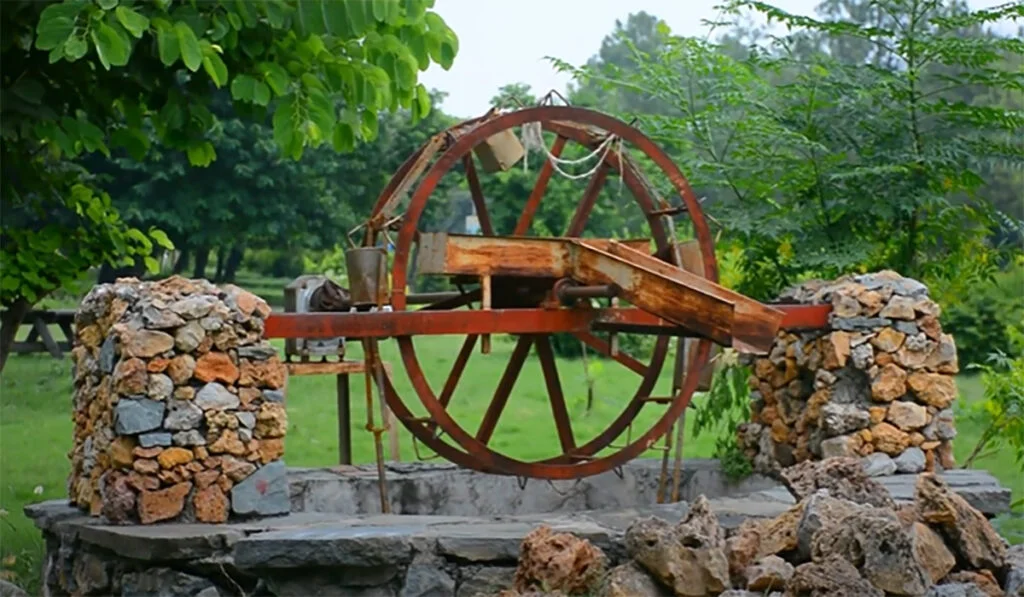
108	274
10	321
221	258
234	260
183	259
202	258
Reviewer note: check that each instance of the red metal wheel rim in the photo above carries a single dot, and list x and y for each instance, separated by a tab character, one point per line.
482	456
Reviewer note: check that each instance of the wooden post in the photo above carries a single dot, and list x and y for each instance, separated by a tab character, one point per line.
344	420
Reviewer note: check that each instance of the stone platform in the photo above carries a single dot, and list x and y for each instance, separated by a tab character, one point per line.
454	532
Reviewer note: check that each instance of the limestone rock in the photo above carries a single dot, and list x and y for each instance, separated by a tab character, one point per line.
844	305
146	343
159	386
216	366
889	439
211	505
931	552
558	562
912	460
984	580
1014	584
844	478
271	421
237	469
269	373
172	457
265	492
228	442
899	307
163	504
743	547
878	464
630	580
182	415
130	377
888	340
690	558
156	318
837	419
820	511
907	415
876	543
841	446
837	349
834	577
943	359
180	368
189	336
966	531
190	437
214	396
934	389
118	500
890	384
770	573
194	307
137	415
155	439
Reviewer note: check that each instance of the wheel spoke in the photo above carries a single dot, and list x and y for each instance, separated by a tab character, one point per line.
477	193
457	369
508	379
526	218
604	348
558	409
579	218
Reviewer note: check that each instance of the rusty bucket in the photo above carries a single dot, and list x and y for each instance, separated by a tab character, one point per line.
367	275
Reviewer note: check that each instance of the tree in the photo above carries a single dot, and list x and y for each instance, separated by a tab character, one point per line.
81	77
822	166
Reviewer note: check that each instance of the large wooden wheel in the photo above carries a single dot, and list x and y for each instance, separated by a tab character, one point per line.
471	447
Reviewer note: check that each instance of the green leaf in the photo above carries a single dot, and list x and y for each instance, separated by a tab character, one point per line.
337	20
152	265
243	88
132	140
161	239
111	49
380	10
370	125
202	154
106	4
261	94
167	42
216	68
135	23
28	89
359	15
191	53
75	47
275	76
284	127
414	10
344	139
422	101
57	23
310	17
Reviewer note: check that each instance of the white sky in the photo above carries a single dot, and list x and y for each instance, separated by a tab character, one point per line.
506	42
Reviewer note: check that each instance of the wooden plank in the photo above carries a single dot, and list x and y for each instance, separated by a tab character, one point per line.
39	326
330	368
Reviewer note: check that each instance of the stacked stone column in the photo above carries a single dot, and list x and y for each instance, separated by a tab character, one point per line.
178	405
878	383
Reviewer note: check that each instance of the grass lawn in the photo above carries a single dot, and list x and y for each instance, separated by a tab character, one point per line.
36	425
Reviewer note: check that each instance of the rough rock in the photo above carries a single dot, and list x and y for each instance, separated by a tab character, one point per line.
264	492
821	511
934	389
214	396
844	478
269	373
630	580
841	446
182	415
211	505
878	464
271	421
984	580
118	500
216	366
146	344
875	542
888	340
154	439
426	577
912	460
180	368
890	384
931	552
889	439
838	419
907	415
558	562
966	531
137	415
899	308
690	558
1014	583
194	307
770	573
130	377
189	336
163	504
172	457
834	577
163	582
943	358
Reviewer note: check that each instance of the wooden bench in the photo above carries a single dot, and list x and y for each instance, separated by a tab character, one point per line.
40	339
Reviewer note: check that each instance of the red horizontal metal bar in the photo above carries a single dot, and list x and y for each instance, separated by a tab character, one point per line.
497	321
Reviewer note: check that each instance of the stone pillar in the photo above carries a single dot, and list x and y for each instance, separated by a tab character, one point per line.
878	383
178	405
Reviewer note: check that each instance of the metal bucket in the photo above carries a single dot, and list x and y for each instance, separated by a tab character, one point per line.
367	275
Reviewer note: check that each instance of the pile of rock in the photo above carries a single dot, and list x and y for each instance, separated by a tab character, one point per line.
879	383
831	543
178	404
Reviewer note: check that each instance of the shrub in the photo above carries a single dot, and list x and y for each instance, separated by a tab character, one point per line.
982	320
274	263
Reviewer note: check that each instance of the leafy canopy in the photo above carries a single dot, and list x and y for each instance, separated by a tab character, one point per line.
81	77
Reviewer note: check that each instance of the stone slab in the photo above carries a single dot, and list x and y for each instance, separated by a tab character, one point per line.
328	545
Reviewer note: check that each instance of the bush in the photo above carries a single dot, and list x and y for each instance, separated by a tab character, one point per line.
274	263
981	322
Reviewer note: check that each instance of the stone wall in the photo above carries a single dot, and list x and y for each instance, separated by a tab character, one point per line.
879	383
178	404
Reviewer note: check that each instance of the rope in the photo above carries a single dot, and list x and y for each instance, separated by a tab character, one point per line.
533	138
